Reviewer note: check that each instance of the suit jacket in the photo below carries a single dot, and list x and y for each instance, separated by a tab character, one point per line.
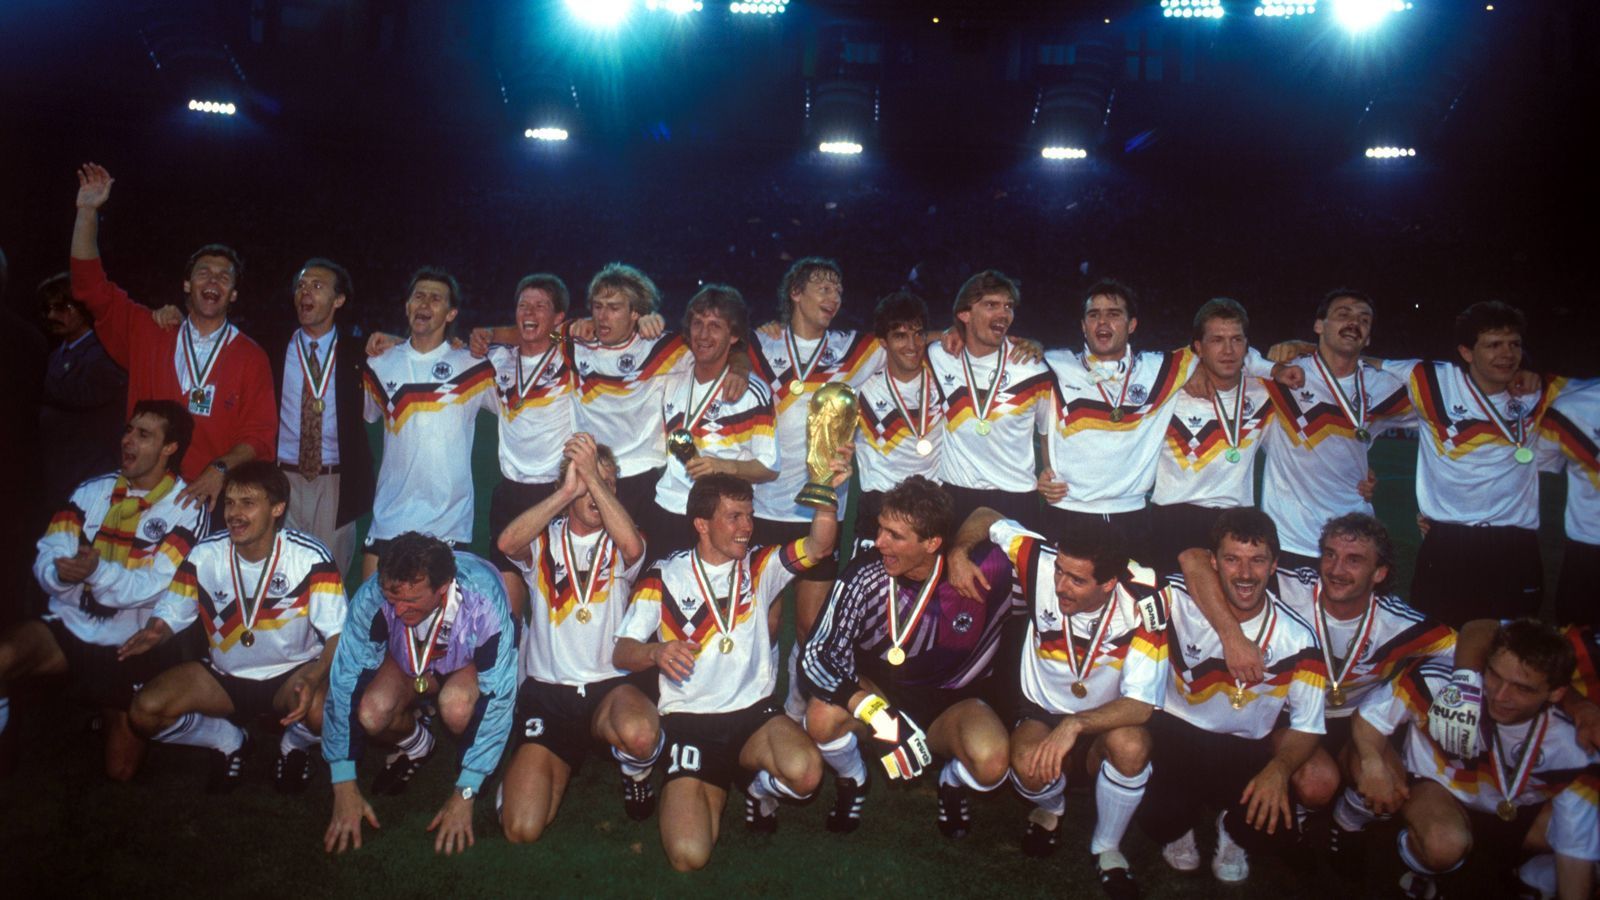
357	478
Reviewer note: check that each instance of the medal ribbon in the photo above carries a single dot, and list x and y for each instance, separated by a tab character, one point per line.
920	430
1127	379
420	659
1357	644
1234	434
269	565
724	620
692	412
794	355
898	637
1269	624
1097	635
1500	422
602	561
318	387
1354	410
994	383
200	374
524	385
1530	755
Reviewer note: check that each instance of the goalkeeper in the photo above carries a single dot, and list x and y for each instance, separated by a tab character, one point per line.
901	657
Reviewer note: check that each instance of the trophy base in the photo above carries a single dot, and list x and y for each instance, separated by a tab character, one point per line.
818	496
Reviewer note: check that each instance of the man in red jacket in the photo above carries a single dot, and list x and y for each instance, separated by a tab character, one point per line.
222	377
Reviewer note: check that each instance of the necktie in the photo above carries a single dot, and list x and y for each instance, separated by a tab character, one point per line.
310	421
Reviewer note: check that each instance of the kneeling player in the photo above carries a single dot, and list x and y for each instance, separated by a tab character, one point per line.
1082	591
1530	788
898	646
430	626
105	560
579	553
271	603
1218	740
706	619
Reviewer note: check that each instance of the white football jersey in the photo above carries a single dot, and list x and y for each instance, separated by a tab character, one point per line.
562	645
619	396
537	405
988	441
896	419
1211	445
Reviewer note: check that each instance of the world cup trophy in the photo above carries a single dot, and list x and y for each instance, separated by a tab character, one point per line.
830	424
680	443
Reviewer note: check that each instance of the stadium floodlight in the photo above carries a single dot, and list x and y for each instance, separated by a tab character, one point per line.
213	107
1064	153
546	133
1192	9
845	148
1391	152
1275	9
600	13
758	7
681	7
1362	15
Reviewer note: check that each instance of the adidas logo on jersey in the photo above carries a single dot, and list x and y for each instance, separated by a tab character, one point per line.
1458	411
880	405
1307	396
390	385
1049	616
1191	651
949	378
1194	421
504	379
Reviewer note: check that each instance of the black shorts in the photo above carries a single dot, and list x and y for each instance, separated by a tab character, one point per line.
98	678
376	546
1026	507
770	533
1076	765
706	746
924	704
1338	736
560	718
251	697
1176	528
637	493
665	532
509	500
1576	603
1465	572
1192	769
1133	527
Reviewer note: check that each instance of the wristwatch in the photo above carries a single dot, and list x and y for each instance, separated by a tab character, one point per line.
466	793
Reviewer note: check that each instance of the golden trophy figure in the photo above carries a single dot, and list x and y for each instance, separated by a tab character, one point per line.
830	424
680	443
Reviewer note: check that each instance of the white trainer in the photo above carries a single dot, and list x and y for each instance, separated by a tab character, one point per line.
1183	854
1231	864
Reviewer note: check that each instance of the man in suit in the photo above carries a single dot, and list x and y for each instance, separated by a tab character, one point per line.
322	439
85	391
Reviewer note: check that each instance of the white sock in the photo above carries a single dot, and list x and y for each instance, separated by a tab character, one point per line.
843	756
954	774
1351	812
766	786
636	768
418	743
1116	796
195	730
1410	858
1052	798
5	713
1539	873
297	737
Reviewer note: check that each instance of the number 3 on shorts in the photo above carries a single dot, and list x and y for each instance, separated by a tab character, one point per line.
685	757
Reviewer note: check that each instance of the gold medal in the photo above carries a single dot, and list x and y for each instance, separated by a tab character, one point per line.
583	615
984	427
924	447
317	405
1079	691
1336	696
421	684
248	638
1116	415
1506	810
797	386
897	656
1236	698
726	646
